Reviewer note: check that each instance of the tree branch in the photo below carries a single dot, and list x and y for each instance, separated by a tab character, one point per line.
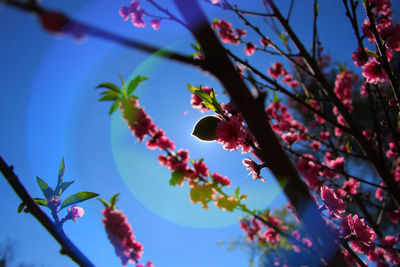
270	148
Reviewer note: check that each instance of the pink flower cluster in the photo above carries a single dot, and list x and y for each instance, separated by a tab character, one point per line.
231	133
389	33
278	70
282	121
225	31
141	125
120	233
343	87
335	205
137	14
309	170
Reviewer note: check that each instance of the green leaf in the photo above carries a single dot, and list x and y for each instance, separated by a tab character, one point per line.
176	178
205	129
64	186
76	198
276	98
108	98
134	83
113	107
110	86
61	172
123	84
113	200
47	191
39	201
237	192
191	88
201	193
104	202
284	38
20	207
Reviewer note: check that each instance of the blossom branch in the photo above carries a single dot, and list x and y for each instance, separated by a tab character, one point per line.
67	247
95	31
376	160
382	52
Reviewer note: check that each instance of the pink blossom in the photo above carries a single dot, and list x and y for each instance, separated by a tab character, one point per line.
324	136
388	240
374	72
135	12
336	164
379	193
351	186
251	227
225	32
360	57
290	138
148	264
394	216
155	24
120	233
390	34
309	170
315	145
343	87
335	205
367	133
265	41
276	70
241	32
75	212
363	232
201	168
223	180
231	133
250	49
306	242
271	235
255	168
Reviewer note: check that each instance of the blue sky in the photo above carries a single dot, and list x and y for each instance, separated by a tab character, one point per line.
49	109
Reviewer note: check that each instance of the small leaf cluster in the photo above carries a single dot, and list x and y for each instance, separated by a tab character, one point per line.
114	93
52	196
209	100
111	204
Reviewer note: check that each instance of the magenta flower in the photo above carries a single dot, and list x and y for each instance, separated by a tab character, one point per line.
363	232
335	205
255	168
148	264
223	180
120	233
309	170
250	49
271	236
75	212
265	41
155	24
290	138
373	72
231	133
200	168
276	70
360	57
